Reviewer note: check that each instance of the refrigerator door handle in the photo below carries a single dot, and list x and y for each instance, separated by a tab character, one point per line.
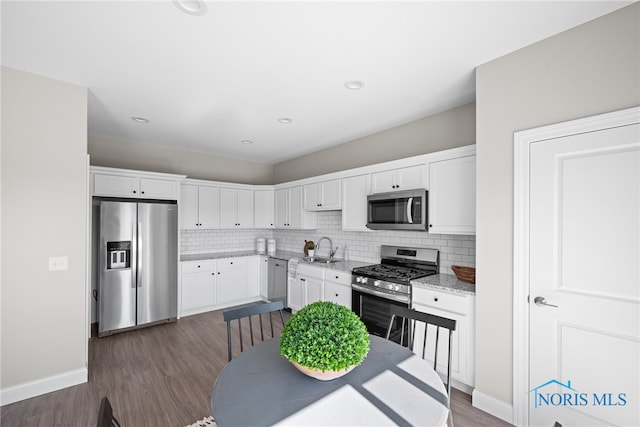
134	253
139	255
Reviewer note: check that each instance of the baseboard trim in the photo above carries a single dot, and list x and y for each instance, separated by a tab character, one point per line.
42	386
492	406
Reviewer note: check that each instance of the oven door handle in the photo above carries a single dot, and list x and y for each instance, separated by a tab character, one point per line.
398	298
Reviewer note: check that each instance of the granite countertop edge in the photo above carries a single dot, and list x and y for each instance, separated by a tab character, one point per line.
445	282
344	265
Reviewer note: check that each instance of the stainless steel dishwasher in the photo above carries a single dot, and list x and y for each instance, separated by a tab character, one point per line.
277	284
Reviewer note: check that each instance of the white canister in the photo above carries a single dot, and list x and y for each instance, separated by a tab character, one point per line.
271	245
261	245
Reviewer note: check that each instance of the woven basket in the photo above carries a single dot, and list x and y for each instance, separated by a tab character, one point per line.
466	274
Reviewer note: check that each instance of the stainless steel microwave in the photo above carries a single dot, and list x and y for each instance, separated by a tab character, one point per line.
398	210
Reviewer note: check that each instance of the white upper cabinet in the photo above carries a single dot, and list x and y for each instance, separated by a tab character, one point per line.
199	207
354	202
134	184
289	210
407	178
323	196
263	208
236	208
452	196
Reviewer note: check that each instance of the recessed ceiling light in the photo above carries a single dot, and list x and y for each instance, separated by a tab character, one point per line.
139	119
246	141
285	120
192	7
354	84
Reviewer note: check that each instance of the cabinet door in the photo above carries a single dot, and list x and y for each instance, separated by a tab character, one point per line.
253	276
115	185
331	194
264	276
411	177
382	182
231	280
452	196
315	290
189	207
197	291
354	203
244	208
162	189
208	207
282	208
264	214
312	196
295	292
228	207
295	207
337	293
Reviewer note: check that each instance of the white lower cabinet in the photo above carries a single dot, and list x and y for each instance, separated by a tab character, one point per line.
264	276
337	287
253	276
461	308
198	286
295	293
219	283
232	276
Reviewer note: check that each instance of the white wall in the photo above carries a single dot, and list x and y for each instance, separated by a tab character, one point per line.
117	153
44	213
588	70
449	129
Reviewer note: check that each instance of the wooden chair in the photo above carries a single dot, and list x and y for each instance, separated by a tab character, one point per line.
409	318
105	415
246	311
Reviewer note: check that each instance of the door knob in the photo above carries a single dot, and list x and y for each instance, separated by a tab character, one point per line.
541	301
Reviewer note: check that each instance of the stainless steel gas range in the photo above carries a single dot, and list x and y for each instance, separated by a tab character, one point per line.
376	287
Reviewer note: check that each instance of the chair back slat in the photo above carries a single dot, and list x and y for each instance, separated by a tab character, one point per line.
247	311
412	317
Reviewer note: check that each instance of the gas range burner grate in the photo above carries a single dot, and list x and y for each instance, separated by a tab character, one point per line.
392	272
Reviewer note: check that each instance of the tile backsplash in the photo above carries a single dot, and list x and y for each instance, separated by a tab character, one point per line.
353	245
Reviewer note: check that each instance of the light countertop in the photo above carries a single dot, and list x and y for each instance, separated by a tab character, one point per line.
445	282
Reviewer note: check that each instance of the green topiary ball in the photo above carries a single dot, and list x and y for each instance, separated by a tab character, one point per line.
325	336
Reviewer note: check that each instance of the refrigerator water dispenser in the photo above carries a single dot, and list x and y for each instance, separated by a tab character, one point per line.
118	255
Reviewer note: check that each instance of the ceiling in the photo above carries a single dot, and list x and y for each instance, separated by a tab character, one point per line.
206	82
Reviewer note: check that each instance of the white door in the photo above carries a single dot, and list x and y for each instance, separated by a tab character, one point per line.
584	279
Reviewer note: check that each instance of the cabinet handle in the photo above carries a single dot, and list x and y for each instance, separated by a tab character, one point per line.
134	191
231	262
142	192
336	277
198	266
213	274
430	225
337	295
435	299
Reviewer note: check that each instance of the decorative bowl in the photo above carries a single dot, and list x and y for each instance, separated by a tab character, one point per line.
466	274
322	375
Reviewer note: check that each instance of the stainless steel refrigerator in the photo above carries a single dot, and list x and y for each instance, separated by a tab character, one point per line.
137	261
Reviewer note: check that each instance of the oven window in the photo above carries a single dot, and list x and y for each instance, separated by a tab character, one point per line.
374	312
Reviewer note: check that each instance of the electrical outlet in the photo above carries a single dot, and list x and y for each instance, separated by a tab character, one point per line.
58	263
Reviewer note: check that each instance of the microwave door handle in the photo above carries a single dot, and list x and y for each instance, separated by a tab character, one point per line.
409	210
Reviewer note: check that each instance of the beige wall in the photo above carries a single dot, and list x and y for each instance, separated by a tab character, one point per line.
117	153
591	69
44	213
450	129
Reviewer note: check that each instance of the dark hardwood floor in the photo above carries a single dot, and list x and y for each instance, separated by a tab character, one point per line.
160	376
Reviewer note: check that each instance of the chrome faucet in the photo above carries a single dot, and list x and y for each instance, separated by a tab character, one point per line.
332	252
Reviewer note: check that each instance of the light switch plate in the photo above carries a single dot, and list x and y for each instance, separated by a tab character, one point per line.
58	263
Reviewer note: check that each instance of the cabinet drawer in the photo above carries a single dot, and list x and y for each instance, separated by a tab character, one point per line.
198	266
338	276
442	300
309	271
231	263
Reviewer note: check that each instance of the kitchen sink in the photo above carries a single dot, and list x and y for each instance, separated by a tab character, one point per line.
321	260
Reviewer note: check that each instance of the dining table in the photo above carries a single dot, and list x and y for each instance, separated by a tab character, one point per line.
392	386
